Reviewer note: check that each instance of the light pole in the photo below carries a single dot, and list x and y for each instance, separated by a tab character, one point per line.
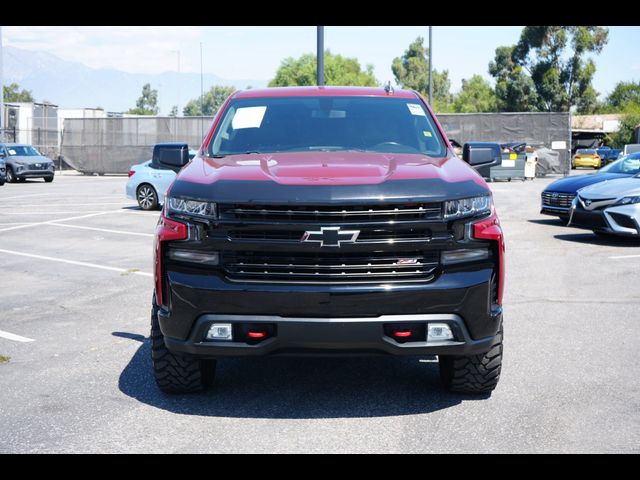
1	92
177	52
201	95
320	57
430	70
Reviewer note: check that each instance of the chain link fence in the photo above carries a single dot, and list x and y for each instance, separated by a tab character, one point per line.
113	145
44	139
550	133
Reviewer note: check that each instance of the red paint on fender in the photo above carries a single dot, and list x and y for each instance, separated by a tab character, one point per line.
489	229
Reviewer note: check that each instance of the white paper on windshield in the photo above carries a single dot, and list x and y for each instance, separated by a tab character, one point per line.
12	151
416	109
248	117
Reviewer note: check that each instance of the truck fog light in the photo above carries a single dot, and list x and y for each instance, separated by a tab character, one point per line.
439	332
451	257
220	331
203	258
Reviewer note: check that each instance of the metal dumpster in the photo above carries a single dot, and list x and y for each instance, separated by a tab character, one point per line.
513	166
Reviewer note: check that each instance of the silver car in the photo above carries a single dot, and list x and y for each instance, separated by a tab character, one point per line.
25	161
610	208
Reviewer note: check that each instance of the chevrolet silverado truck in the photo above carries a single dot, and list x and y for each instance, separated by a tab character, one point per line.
327	221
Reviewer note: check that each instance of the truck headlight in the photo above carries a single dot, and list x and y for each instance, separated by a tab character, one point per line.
194	208
467	207
628	201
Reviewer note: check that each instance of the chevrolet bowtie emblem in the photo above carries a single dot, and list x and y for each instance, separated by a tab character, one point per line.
330	236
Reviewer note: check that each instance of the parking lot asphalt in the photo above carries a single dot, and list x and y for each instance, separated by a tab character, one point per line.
75	292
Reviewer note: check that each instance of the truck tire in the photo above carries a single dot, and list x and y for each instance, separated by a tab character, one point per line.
474	374
177	373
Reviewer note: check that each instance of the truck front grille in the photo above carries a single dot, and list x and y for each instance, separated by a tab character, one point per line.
367	235
558	200
328	268
330	214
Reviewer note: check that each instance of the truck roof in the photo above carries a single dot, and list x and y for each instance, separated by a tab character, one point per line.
323	91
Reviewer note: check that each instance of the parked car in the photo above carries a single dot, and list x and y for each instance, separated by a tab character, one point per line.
586	158
3	170
631	148
608	154
148	183
25	161
328	220
609	208
558	196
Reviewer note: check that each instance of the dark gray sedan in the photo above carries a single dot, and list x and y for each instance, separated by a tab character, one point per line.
25	161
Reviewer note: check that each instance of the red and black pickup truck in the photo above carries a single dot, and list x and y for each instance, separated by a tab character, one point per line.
328	221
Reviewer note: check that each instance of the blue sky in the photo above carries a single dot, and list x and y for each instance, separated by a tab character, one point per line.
255	52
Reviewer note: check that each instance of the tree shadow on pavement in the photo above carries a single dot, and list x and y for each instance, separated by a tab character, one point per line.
295	388
592	239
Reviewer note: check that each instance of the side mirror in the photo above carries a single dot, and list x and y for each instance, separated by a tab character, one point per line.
478	154
173	156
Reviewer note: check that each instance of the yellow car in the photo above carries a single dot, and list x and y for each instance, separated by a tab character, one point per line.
586	158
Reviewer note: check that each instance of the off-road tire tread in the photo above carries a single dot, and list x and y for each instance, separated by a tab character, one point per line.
474	374
177	373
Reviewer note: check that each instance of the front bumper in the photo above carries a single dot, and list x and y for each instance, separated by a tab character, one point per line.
621	220
555	211
333	319
331	336
34	173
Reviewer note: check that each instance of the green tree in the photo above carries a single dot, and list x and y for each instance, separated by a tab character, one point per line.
515	90
554	58
212	101
476	96
174	111
338	70
629	121
412	71
147	104
623	95
12	93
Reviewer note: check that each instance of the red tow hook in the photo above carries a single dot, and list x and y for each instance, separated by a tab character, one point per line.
402	333
256	334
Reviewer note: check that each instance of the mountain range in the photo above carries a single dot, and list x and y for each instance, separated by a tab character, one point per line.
75	85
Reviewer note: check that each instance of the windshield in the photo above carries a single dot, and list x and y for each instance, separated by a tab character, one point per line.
23	151
629	165
585	152
302	124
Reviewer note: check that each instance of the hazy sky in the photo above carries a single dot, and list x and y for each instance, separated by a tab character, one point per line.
256	52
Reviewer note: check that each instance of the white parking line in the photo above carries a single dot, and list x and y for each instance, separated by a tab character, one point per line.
70	205
106	230
622	257
26	196
58	220
14	337
73	262
66	212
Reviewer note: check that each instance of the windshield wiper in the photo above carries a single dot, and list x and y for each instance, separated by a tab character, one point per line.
222	155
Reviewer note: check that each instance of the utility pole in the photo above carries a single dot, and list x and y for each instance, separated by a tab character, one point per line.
201	95
320	57
177	52
1	92
430	69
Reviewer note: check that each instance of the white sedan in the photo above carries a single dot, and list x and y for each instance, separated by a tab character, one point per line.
610	208
148	184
